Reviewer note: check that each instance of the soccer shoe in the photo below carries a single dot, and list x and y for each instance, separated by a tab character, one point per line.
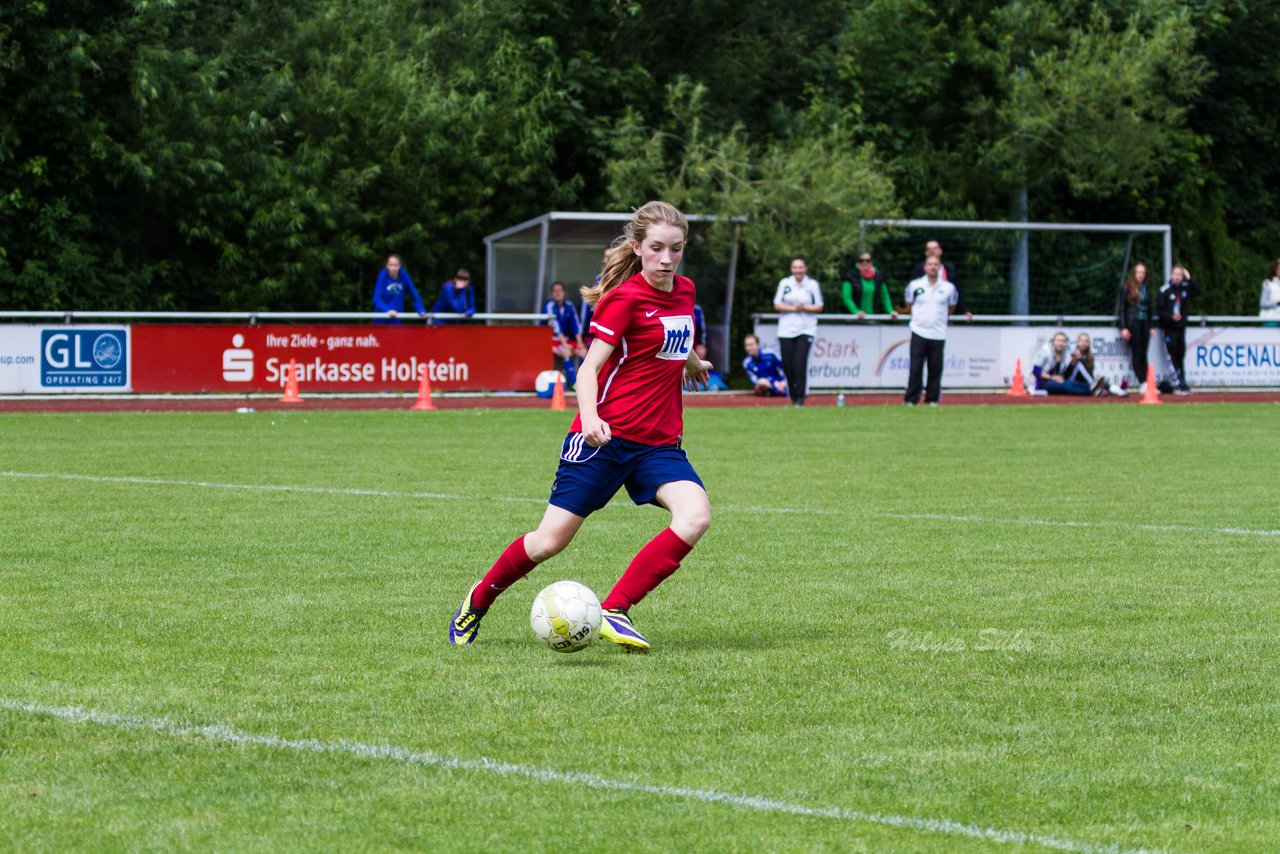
616	626
465	624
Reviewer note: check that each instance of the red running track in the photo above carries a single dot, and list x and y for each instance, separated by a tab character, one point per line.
209	403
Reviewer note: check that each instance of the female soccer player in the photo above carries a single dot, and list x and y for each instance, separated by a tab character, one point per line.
628	429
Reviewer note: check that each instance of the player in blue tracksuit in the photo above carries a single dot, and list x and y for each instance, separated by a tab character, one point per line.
566	334
456	297
764	369
699	332
388	293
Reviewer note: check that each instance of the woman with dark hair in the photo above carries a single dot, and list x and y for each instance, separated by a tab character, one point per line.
629	427
1269	304
1133	317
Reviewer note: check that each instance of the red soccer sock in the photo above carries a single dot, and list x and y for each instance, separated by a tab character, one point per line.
513	565
649	568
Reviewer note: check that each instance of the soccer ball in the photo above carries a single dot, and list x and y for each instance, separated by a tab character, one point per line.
566	616
545	383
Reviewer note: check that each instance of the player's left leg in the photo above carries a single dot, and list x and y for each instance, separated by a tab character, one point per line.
661	556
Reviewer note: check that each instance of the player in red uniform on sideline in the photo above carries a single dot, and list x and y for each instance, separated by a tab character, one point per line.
628	429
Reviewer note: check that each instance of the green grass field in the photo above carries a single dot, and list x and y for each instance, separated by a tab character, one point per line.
962	629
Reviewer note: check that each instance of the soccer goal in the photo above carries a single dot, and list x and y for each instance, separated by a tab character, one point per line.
1025	268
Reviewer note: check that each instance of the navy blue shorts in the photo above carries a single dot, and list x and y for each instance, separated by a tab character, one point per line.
588	477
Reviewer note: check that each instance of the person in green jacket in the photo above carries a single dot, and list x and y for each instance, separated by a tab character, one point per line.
861	286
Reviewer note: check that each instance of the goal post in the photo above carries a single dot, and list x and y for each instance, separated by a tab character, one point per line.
1072	268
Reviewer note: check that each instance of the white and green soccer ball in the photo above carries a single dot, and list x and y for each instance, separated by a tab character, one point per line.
566	616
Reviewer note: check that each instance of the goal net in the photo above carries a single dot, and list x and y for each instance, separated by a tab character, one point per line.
1069	269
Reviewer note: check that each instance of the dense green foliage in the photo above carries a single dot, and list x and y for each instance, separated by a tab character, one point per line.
955	638
194	155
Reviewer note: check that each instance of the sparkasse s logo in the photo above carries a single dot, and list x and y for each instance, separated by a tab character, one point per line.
84	358
237	362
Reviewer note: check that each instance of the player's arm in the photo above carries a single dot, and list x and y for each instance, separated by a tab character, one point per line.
595	431
695	371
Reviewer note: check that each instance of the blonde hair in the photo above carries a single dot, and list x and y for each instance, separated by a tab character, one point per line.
621	261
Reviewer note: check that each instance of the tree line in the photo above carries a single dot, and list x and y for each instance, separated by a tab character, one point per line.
249	155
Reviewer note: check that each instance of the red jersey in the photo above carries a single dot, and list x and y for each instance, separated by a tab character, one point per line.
641	384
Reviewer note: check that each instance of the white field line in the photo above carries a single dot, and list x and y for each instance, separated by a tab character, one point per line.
762	510
228	735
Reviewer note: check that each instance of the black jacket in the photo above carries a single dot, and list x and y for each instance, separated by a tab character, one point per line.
1173	299
1125	312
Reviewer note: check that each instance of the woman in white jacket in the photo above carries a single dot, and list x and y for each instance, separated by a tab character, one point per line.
1269	305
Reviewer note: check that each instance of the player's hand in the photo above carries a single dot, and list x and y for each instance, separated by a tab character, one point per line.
968	316
862	315
1153	333
595	431
696	374
393	314
893	315
1124	333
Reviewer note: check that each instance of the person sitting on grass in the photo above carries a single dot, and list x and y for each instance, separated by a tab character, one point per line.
763	368
1053	372
1080	368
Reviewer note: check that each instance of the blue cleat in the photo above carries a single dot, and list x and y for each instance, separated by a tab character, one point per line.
466	621
616	626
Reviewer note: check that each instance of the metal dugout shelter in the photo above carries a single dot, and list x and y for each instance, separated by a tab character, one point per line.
522	261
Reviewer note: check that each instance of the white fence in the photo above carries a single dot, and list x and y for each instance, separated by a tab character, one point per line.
1224	352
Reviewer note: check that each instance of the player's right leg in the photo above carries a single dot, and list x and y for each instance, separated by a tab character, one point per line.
556	530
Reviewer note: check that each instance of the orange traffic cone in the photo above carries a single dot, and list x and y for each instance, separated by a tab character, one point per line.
291	384
1153	394
424	393
557	397
1017	388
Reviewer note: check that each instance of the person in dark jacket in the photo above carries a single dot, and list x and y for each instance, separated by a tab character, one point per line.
1133	318
946	272
1171	306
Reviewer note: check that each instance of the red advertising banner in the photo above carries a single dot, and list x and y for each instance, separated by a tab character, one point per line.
337	358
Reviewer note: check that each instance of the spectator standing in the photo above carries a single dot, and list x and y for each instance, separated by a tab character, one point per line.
1269	304
798	299
388	292
862	285
456	296
932	300
1133	317
763	368
699	332
566	336
1172	308
946	272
